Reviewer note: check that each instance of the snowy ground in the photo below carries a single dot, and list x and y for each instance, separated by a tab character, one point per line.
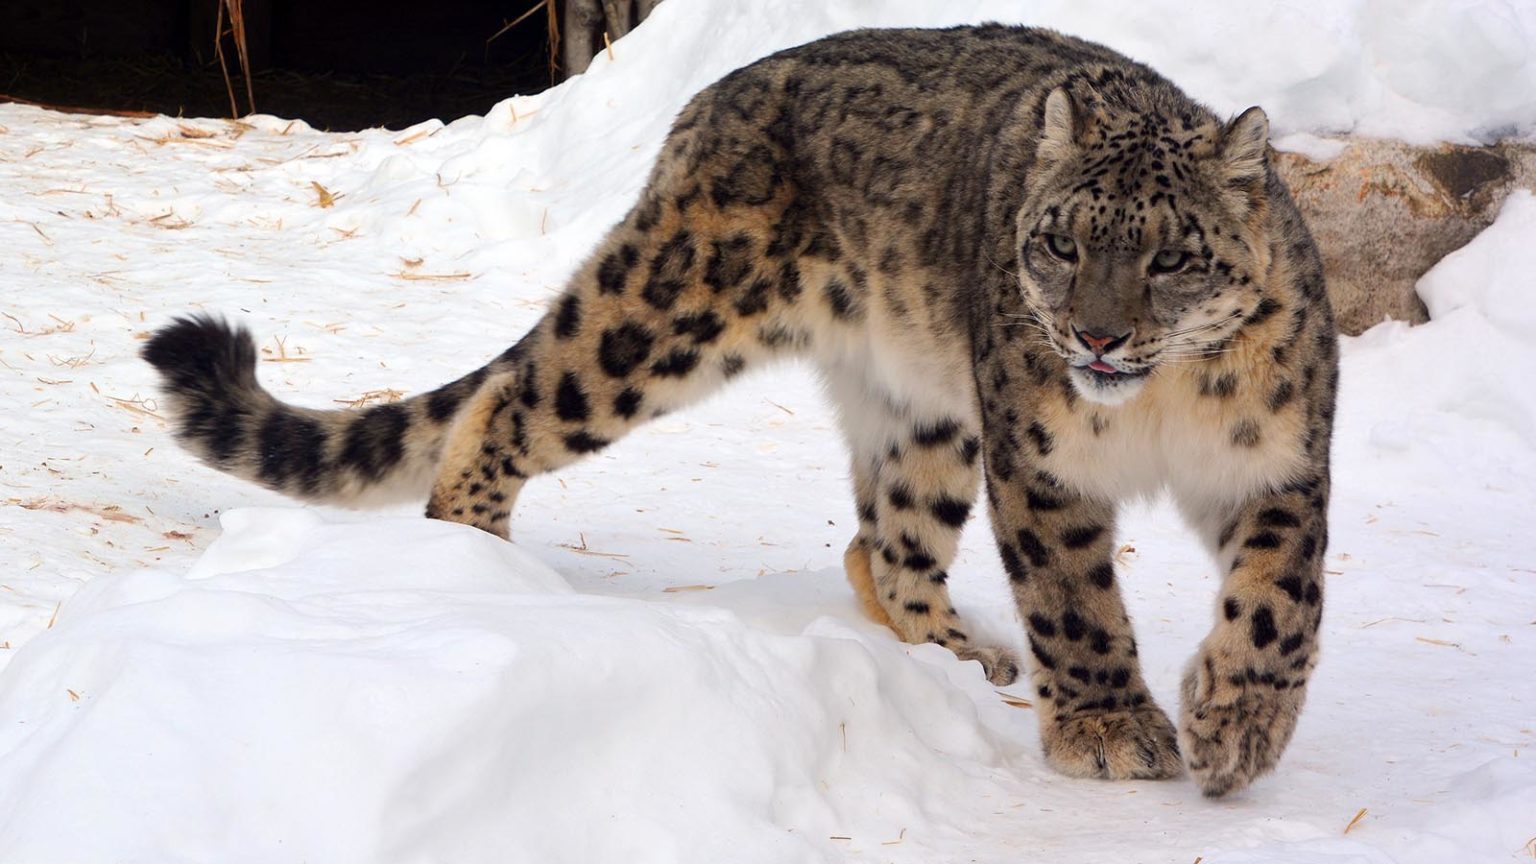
668	666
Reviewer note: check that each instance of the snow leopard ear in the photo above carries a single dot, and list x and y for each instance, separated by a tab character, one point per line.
1244	146
1060	129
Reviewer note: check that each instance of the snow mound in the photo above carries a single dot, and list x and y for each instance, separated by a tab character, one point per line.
411	690
1422	70
1495	273
1475	361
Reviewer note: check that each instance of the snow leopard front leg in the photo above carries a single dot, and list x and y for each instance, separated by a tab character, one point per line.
915	483
1097	717
1243	691
926	487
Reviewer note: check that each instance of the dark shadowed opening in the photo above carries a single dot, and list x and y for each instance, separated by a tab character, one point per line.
337	64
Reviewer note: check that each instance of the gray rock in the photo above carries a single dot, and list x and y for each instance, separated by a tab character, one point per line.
1384	212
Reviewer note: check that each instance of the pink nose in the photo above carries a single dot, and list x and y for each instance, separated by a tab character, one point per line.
1100	344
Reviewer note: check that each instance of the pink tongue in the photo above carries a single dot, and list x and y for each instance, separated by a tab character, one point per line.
1101	366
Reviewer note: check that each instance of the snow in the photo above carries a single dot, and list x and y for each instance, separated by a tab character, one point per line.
1492	273
1314	147
459	701
667	665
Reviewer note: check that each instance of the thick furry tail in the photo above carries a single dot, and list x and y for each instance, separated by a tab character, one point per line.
357	458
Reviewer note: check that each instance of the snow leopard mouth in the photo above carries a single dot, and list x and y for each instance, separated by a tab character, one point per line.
1102	382
1104	373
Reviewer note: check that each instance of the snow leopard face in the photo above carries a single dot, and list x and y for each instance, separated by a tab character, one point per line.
1141	240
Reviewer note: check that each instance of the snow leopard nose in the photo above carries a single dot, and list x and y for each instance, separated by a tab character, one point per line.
1098	343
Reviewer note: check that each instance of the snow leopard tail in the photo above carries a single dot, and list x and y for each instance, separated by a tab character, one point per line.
366	457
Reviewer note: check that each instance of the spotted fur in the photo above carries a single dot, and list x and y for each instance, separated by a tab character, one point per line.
1008	252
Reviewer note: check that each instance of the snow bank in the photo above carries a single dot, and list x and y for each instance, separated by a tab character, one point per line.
408	690
1483	296
1472	365
1421	70
1495	274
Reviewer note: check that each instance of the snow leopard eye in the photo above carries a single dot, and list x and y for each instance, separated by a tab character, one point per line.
1061	246
1169	261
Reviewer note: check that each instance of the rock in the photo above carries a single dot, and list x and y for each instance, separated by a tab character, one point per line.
1384	212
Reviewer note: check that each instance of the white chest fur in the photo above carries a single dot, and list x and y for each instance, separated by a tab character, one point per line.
1209	451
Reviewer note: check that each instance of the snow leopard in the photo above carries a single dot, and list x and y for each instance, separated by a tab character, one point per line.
1020	261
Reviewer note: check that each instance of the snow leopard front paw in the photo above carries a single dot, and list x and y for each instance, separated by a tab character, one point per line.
1235	721
1139	743
1000	665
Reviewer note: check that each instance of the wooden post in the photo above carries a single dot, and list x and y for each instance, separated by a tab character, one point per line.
585	22
583	29
616	17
